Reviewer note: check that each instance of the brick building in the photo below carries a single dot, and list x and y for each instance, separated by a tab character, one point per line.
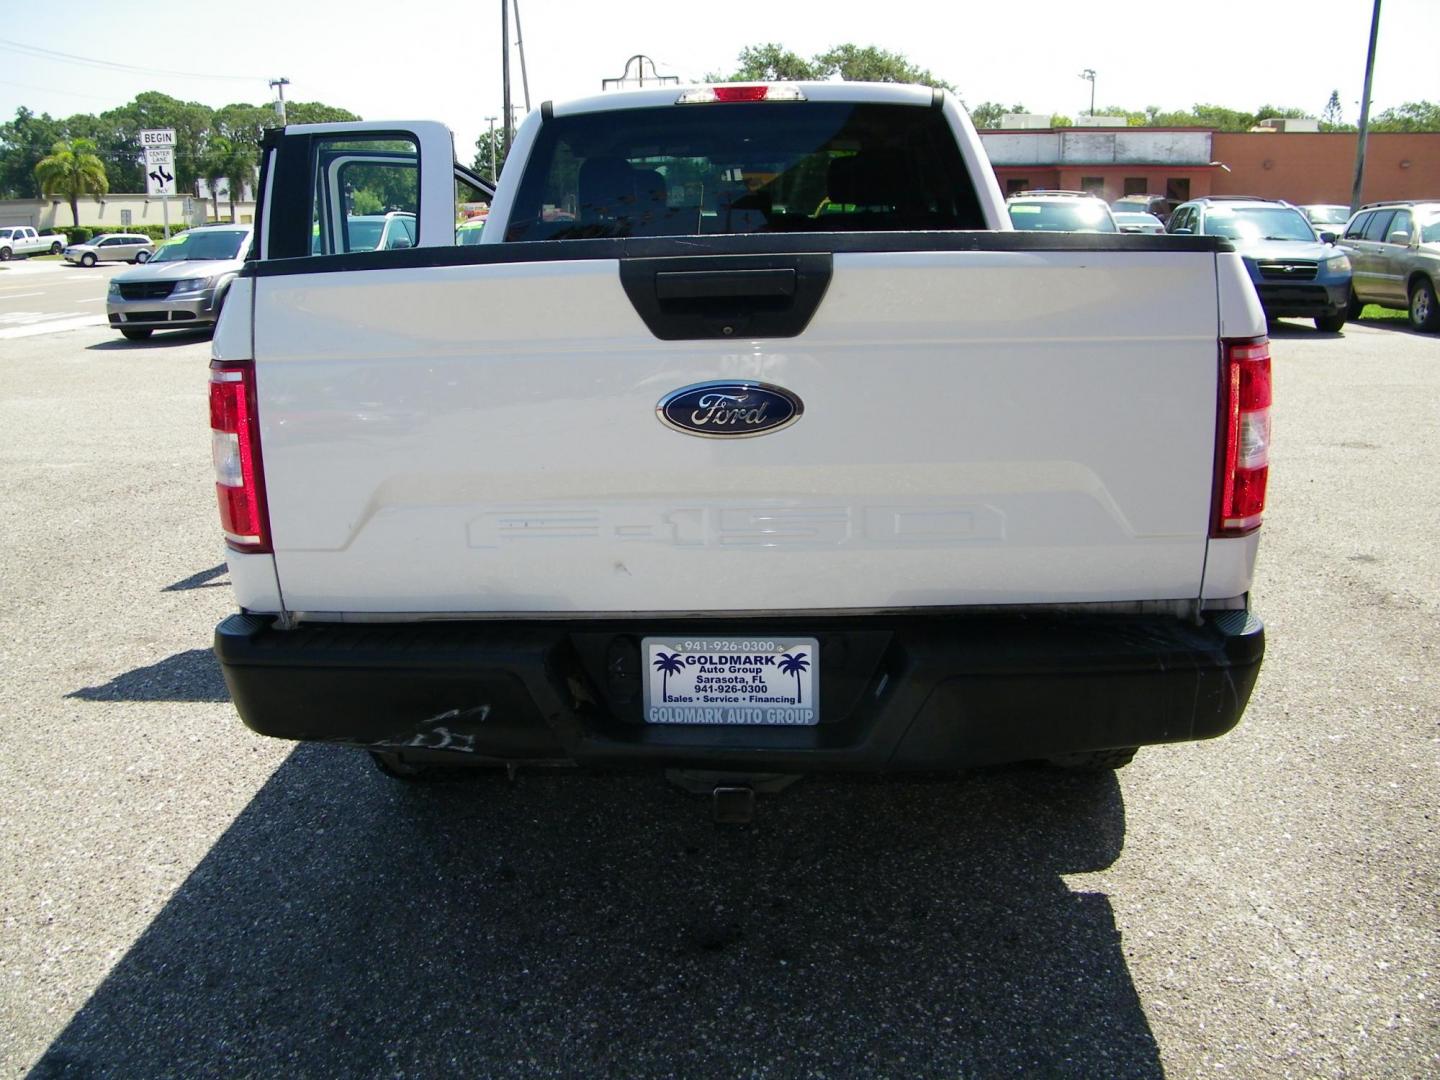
1184	163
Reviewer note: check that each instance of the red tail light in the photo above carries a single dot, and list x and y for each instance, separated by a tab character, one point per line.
235	446
1244	449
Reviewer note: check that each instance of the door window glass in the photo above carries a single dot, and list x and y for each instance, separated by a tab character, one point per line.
363	185
1357	227
1379	225
1399	224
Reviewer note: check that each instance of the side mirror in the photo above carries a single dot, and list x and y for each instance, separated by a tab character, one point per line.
1402	238
1130	228
1183	232
401	242
1328	237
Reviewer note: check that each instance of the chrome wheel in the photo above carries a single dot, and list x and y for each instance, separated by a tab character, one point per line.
1424	313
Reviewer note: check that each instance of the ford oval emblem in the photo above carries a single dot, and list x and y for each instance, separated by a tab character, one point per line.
729	410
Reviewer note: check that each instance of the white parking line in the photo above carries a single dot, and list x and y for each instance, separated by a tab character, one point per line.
20	296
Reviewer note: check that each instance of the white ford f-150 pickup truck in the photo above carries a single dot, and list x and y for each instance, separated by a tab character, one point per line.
749	440
20	240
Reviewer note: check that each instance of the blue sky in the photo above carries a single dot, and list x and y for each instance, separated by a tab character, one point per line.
435	60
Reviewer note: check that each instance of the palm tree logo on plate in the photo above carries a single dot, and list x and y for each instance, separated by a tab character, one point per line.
667	666
794	665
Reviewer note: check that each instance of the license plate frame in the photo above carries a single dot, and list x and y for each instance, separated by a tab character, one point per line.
731	680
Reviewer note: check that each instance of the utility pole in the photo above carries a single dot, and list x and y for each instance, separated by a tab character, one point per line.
278	85
505	65
1089	75
520	44
494	172
1365	113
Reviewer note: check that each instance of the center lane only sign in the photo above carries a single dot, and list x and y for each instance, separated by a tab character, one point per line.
731	681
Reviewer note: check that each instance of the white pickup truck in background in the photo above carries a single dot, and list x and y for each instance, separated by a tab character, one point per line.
750	440
20	240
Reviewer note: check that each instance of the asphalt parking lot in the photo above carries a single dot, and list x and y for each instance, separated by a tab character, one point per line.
179	897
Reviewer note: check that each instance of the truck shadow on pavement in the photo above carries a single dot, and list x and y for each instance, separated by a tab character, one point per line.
165	339
193	675
573	924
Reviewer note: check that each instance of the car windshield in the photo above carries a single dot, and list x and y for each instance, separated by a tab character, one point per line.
1328	215
1130	218
202	244
1430	230
1258	223
1081	215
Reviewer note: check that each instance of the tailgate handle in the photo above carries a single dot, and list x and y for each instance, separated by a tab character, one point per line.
716	284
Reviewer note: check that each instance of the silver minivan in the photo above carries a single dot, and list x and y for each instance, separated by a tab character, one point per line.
111	247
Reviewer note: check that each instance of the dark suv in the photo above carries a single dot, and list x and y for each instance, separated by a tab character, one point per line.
1394	248
1294	271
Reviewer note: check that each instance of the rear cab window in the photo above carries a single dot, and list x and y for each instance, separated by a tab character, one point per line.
741	168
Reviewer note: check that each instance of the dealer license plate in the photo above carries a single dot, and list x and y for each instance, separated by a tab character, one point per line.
739	680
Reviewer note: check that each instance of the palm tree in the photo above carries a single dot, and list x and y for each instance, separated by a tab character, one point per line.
212	168
794	665
72	169
667	666
239	162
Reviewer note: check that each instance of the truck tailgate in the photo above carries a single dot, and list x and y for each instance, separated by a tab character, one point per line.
979	427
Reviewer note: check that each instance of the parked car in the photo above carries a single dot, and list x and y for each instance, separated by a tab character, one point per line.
111	247
369	232
1060	211
1295	273
1394	248
1327	217
183	287
470	232
23	240
1138	223
1161	206
380	232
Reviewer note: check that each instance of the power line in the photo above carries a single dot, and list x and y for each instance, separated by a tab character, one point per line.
71	58
52	90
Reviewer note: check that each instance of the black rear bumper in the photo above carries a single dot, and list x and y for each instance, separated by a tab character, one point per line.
896	693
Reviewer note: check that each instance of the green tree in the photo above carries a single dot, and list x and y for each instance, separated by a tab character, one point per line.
190	119
988	114
232	160
481	164
1332	116
770	63
212	171
72	170
23	142
1411	116
315	112
853	63
1060	120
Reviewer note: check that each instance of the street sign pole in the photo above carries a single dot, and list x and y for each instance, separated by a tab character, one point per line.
159	146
